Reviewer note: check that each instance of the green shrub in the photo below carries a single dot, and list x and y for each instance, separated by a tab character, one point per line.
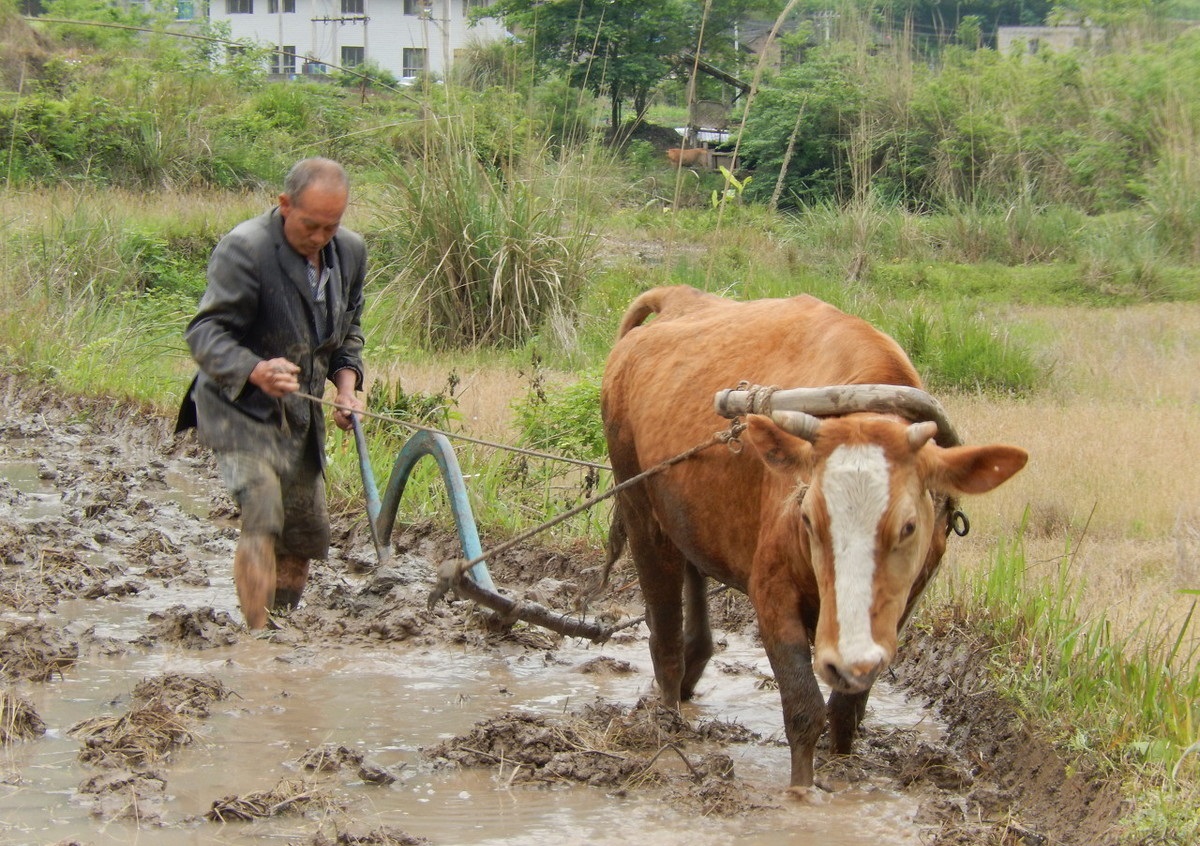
436	409
955	348
565	420
160	267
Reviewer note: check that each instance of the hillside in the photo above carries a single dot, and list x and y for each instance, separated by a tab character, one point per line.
23	51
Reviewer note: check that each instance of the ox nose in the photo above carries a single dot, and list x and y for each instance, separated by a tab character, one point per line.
852	678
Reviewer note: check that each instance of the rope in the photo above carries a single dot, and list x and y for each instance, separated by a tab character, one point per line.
727	436
451	572
519	450
760	397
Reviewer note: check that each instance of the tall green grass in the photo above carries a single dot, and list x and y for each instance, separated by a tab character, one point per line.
491	249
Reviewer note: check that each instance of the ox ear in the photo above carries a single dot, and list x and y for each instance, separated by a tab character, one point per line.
780	451
975	469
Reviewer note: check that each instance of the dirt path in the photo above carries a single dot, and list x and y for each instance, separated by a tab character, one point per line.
114	536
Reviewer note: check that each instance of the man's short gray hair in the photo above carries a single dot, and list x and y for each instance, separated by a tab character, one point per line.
315	171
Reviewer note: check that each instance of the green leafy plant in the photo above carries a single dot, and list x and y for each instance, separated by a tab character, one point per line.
435	409
565	420
733	188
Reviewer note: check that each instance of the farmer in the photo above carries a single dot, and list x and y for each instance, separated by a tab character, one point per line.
281	313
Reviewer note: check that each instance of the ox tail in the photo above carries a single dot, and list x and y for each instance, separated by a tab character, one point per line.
613	550
645	305
668	302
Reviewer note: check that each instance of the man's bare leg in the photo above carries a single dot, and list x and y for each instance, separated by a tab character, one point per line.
254	575
292	576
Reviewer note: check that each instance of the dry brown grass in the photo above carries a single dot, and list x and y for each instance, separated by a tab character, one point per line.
1112	474
27	211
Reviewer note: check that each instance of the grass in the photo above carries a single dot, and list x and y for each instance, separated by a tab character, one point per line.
1128	701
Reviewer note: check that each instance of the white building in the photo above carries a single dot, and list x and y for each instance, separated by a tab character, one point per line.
1029	40
404	37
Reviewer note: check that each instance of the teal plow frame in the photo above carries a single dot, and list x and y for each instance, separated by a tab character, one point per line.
381	513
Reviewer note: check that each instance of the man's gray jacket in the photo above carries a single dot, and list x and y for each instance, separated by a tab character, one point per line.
259	305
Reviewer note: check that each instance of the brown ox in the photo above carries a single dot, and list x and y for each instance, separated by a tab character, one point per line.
694	157
832	530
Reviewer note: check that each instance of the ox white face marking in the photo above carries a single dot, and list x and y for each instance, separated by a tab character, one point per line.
856	497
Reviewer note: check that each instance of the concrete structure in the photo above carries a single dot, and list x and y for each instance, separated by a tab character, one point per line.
405	37
1031	39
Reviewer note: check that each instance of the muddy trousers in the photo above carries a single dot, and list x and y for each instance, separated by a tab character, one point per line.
284	524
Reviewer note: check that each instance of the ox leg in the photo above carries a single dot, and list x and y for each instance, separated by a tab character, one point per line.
665	621
803	705
664	617
660	567
786	641
846	712
697	635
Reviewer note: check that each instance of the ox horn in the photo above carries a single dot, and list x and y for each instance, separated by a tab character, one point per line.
797	423
834	400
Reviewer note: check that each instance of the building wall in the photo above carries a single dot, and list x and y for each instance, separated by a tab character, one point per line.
318	30
1035	38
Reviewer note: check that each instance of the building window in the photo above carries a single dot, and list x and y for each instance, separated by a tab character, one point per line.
289	7
239	7
414	61
352	57
283	60
416	7
354	7
185	10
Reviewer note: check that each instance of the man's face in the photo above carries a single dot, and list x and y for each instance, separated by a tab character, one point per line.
311	220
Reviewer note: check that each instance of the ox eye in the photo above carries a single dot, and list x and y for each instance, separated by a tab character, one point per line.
907	530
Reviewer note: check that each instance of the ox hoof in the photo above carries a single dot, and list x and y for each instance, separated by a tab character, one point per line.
829	785
807	795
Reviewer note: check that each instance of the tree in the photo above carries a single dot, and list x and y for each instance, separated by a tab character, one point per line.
621	49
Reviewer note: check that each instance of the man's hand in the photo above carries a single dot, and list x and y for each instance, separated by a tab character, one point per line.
344	380
341	416
275	377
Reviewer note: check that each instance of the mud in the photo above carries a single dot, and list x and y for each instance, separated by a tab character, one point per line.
101	507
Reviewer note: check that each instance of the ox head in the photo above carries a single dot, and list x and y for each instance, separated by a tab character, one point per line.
867	521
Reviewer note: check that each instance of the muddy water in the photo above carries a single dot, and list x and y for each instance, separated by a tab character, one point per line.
387	702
